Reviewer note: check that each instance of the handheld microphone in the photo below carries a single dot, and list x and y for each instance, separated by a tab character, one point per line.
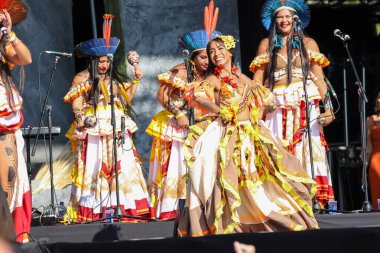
59	53
331	89
341	35
4	31
122	126
110	57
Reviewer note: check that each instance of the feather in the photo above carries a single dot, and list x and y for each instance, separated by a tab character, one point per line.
107	23
211	15
215	19
206	18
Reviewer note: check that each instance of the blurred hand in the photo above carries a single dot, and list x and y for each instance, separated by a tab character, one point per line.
243	248
6	21
183	122
136	72
80	125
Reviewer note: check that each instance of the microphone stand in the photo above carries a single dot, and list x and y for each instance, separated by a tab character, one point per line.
189	80
316	206
367	207
48	108
181	202
118	212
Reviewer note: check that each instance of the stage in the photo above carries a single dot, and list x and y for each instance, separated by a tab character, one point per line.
347	232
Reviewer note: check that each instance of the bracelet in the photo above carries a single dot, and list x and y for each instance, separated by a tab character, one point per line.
12	37
15	42
135	81
179	115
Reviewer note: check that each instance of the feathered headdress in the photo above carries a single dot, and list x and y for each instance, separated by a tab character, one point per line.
198	40
101	46
16	9
271	7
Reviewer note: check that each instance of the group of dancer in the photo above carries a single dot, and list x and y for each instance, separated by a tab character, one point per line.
234	149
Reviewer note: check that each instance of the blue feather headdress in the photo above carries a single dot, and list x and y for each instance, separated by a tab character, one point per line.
271	7
101	46
97	47
198	40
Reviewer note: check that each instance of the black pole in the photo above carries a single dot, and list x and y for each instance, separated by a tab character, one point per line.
181	202
118	211
189	80
48	108
316	206
345	100
367	207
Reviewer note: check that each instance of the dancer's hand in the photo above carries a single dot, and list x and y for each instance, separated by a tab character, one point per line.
326	118
80	125
183	122
6	20
136	72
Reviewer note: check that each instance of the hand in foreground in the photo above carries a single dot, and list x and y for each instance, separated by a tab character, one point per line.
136	72
6	21
183	122
243	248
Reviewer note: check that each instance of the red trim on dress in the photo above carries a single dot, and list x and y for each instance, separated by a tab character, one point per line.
22	216
14	126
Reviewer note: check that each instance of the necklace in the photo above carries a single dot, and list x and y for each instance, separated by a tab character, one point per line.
229	80
228	86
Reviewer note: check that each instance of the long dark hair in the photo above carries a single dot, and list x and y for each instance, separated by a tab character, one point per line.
211	67
273	53
190	68
92	67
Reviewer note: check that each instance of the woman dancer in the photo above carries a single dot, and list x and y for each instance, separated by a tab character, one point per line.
283	60
91	134
240	177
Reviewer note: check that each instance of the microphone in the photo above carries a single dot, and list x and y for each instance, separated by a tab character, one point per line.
341	35
331	89
4	31
185	53
110	57
59	53
122	126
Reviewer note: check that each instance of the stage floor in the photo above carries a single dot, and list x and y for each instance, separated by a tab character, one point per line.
80	233
347	240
